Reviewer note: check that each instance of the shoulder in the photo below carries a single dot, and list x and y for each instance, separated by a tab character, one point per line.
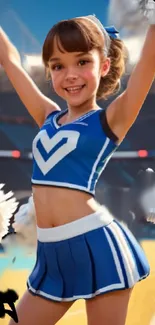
50	116
51	109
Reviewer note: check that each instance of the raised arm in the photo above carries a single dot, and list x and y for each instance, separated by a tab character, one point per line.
122	113
36	103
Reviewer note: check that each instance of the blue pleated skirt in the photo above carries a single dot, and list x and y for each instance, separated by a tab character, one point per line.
85	258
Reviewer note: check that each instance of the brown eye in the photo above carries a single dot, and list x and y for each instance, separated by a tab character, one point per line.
83	62
56	67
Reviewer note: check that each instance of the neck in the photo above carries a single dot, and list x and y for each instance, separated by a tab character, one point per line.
75	111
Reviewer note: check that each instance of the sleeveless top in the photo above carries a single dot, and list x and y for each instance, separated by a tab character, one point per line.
75	154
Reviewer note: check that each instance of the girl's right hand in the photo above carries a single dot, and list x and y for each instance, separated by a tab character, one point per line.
37	104
7	50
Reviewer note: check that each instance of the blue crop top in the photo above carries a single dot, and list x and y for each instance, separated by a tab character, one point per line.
75	154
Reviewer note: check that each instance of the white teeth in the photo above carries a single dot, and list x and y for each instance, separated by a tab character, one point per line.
74	88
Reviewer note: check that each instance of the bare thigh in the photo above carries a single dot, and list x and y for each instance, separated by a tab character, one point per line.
36	310
108	309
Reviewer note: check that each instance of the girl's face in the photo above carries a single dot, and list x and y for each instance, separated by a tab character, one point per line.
76	75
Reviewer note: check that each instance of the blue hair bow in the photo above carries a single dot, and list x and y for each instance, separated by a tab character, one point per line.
112	31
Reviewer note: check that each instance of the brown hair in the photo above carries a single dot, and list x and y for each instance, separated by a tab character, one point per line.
82	35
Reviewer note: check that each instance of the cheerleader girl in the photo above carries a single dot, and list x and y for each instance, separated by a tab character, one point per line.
82	251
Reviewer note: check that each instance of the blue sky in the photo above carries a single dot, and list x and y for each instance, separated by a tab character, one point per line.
33	18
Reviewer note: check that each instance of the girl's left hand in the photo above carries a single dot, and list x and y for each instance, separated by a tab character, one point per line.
133	14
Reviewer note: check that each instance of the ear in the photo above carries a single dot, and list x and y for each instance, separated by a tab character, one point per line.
105	67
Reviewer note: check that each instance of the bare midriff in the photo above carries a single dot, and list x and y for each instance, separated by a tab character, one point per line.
56	206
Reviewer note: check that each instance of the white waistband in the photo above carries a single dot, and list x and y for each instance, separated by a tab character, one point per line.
93	221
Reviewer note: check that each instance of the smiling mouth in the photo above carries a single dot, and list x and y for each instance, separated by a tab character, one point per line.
74	90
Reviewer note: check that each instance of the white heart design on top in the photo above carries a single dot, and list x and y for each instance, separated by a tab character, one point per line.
49	143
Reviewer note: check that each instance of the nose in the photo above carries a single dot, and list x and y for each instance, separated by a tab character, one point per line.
71	75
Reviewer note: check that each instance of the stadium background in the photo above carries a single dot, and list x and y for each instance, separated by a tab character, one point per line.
27	25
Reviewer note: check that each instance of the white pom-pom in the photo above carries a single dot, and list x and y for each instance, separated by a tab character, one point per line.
147	201
151	216
148	10
8	206
133	14
25	223
150	170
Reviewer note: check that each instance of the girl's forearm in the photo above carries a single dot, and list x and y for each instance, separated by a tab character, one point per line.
148	50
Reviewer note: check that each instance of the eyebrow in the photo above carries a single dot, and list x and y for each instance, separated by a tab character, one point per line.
77	56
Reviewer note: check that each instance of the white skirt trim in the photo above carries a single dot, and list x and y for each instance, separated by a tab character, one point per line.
112	287
91	222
